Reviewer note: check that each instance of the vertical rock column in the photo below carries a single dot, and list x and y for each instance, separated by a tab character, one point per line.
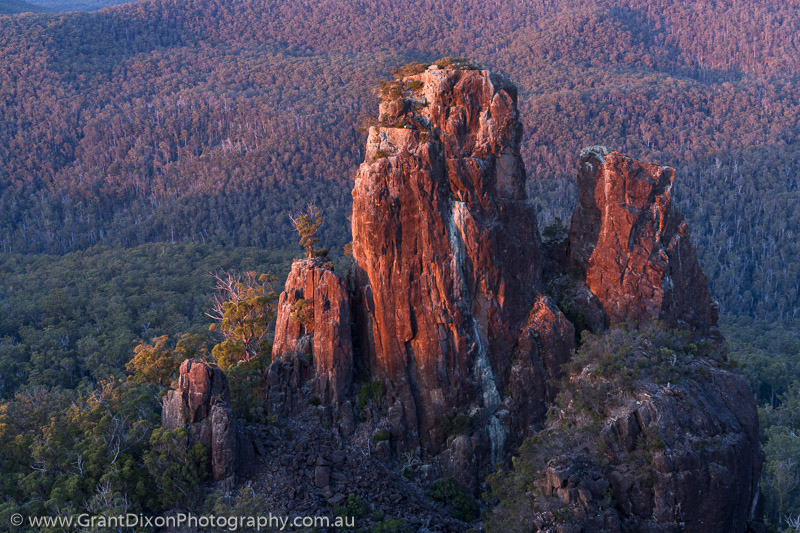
200	404
446	249
313	322
633	245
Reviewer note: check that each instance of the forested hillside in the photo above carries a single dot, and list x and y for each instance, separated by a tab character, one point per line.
74	319
11	7
208	122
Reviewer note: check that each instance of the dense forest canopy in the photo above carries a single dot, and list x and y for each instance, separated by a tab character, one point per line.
12	7
75	318
206	121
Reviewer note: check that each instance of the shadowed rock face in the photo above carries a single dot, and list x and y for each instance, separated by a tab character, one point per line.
200	405
445	246
634	246
703	471
546	342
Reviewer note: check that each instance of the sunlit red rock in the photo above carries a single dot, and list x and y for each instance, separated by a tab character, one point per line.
320	329
201	405
633	245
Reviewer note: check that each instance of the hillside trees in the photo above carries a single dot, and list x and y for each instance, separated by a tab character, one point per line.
243	310
183	123
75	319
780	434
100	447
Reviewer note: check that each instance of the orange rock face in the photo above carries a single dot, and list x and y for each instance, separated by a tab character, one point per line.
634	246
445	245
200	386
324	332
443	305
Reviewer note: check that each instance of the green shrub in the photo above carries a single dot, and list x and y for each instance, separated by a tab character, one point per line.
370	391
390	90
555	231
246	380
457	63
353	508
457	424
390	525
462	506
303	312
409	70
380	436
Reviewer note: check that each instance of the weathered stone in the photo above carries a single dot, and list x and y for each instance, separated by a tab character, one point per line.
200	386
633	245
223	445
322	476
325	337
442	307
336	500
347	423
200	405
446	249
546	342
383	451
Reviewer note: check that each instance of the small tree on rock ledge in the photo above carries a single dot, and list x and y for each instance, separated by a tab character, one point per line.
307	226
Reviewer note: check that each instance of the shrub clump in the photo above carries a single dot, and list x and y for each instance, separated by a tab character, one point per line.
390	90
370	391
457	63
354	507
457	424
462	506
409	69
380	436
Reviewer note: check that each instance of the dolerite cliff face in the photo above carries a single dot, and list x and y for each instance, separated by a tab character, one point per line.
322	337
650	434
200	404
446	253
441	343
633	245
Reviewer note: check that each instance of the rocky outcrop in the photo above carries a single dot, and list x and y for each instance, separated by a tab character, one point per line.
682	458
650	433
445	247
546	342
313	322
458	351
633	245
199	404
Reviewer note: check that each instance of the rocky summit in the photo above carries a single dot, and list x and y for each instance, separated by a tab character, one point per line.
446	261
633	245
444	346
